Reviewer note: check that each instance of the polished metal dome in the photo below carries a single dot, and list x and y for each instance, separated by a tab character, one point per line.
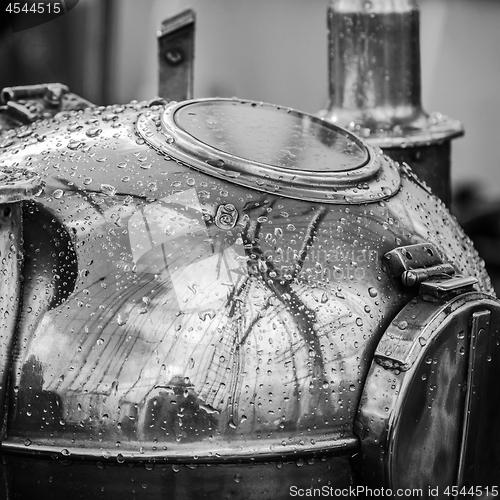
204	288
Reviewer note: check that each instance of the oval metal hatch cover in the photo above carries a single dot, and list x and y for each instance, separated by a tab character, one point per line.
273	149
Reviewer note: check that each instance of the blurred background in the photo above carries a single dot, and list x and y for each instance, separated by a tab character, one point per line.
268	50
276	51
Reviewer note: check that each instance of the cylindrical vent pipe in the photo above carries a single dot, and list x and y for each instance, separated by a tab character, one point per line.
375	86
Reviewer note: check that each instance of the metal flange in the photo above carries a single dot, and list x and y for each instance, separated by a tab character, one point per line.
422	420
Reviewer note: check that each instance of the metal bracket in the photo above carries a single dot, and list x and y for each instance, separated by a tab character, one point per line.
18	184
25	104
475	402
445	288
421	264
176	56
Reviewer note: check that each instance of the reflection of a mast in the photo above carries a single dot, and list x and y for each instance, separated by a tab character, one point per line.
303	316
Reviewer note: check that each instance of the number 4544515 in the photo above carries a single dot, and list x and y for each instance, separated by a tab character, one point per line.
34	8
472	491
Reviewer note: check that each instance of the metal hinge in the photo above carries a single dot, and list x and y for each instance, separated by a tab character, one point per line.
421	265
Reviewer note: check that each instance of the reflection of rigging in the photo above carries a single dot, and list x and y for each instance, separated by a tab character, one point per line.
145	345
303	316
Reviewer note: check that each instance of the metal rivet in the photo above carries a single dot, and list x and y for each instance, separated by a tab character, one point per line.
226	216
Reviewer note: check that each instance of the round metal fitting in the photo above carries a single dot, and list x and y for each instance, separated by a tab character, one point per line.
272	149
426	402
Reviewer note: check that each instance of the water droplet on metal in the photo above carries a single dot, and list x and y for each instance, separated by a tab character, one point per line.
74	145
204	315
108	189
208	409
93	132
73	127
121	319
